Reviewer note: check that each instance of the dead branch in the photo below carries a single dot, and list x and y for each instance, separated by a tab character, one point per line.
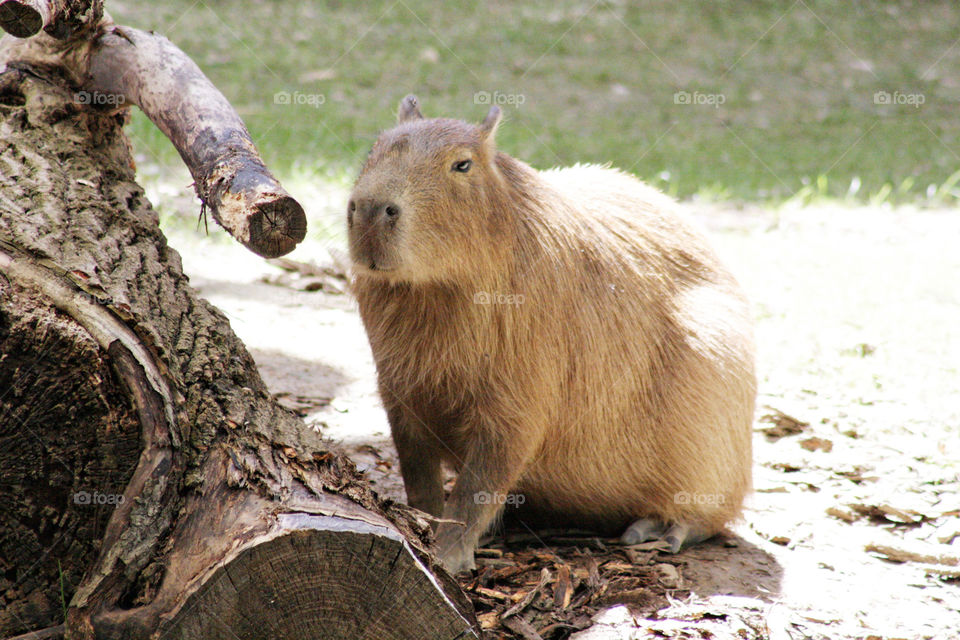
150	71
59	18
119	66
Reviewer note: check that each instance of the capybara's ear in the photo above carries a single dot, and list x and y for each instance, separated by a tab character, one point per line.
489	124
409	109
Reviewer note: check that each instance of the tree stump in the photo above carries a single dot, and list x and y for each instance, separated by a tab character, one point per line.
149	485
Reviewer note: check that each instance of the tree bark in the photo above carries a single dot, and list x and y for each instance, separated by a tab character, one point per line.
149	483
114	67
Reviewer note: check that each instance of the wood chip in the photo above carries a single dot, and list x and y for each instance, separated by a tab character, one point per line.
943	572
817	444
638	558
653	545
668	575
843	514
618	567
489	620
906	516
786	467
592	542
593	578
496	562
783	425
499	574
306	276
549	630
563	589
529	596
522	627
301	405
924	555
855	475
554	593
890	513
493	593
950	533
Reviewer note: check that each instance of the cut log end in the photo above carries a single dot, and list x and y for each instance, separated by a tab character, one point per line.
322	576
250	205
277	227
21	19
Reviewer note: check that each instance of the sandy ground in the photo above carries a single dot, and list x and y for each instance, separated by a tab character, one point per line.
858	314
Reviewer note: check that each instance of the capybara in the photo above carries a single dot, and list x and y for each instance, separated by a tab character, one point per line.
564	339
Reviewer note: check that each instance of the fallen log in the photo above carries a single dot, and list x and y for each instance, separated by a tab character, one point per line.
150	485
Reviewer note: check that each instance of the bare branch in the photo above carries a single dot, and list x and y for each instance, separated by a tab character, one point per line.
132	66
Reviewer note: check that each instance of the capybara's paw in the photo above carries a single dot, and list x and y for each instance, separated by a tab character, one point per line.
457	560
455	553
678	535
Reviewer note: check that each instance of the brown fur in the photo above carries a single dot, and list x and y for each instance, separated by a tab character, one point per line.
624	377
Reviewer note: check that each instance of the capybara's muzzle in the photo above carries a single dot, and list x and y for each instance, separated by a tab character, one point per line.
371	224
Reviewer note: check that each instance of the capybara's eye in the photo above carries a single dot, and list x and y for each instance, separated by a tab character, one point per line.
462	165
352	206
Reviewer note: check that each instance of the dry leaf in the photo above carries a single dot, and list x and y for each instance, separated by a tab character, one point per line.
817	444
846	516
669	576
783	425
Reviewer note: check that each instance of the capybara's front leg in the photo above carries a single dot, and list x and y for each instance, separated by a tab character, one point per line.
420	455
491	468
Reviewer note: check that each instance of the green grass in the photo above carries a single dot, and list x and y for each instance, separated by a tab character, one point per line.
597	83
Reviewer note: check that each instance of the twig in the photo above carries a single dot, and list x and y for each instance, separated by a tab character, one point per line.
527	599
50	633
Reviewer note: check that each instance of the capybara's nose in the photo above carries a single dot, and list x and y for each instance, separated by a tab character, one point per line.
373	211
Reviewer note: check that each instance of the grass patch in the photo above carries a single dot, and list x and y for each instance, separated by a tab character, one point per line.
783	99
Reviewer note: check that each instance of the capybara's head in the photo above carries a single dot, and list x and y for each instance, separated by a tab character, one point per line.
426	198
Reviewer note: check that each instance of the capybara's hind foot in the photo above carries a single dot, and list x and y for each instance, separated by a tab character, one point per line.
678	535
